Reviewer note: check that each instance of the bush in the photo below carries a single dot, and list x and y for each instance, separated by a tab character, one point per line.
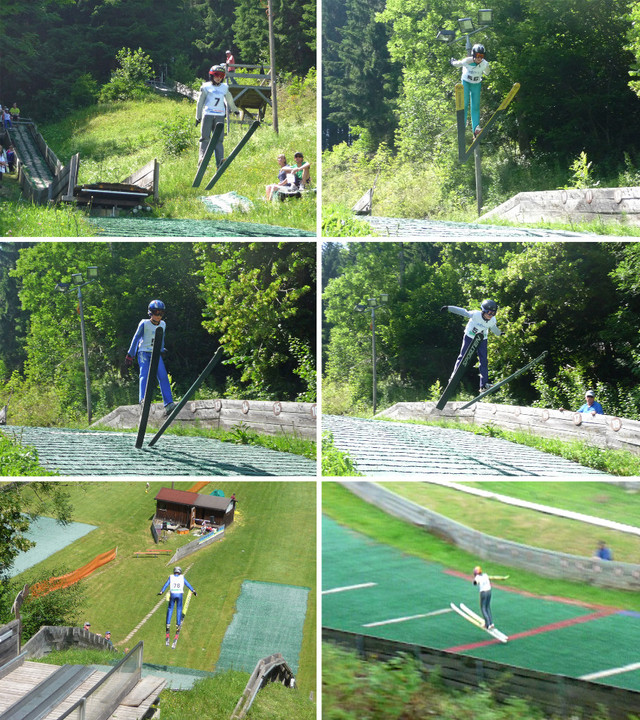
129	81
177	135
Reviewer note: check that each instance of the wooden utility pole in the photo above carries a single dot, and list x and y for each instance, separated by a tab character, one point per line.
272	59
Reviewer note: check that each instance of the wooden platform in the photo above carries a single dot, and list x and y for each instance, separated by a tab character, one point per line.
25	678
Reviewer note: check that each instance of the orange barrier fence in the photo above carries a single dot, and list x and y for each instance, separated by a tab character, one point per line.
57	583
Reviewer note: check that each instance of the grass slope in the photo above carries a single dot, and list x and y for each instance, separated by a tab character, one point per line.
116	140
271	519
345	508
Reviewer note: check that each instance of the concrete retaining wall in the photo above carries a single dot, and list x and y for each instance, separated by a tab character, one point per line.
55	637
625	576
607	204
604	431
273	418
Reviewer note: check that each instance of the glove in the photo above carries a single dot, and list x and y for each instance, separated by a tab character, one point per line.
160	593
451	61
195	593
197	122
128	361
444	308
236	112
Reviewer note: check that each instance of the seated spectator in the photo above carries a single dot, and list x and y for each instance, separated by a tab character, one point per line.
603	552
286	179
14	112
591	405
302	171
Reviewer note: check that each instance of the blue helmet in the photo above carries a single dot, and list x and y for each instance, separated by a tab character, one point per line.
156	305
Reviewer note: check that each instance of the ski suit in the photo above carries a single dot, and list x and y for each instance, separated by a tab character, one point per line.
484	585
211	110
475	325
472	73
176	585
141	347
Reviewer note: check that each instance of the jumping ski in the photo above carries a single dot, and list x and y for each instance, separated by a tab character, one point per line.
151	386
464	155
454	381
202	167
221	170
188	395
184	615
498	385
476	620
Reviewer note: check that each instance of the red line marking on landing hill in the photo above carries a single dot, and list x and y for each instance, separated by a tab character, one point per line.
525	593
537	631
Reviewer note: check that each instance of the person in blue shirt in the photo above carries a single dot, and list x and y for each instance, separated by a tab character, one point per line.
141	347
603	552
591	405
176	584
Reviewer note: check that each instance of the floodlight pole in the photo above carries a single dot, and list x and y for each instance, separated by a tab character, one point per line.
87	382
272	60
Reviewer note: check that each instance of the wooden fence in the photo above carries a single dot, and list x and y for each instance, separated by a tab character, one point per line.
9	641
148	177
557	694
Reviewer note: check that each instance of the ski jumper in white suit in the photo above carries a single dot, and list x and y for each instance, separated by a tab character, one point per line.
472	73
476	324
211	110
484	586
140	348
176	585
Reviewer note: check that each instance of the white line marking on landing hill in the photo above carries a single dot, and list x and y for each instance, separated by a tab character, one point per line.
348	587
408	617
611	671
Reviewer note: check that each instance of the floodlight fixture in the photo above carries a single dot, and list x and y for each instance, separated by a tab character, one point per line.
466	25
92	272
76	278
360	308
485	17
372	302
63	287
384	298
446	36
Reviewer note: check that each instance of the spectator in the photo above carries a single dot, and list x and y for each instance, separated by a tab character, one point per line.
285	179
86	626
603	552
11	159
6	116
301	171
231	68
107	637
591	405
4	163
14	112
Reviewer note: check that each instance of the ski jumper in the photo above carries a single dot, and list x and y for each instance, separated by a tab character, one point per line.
472	73
484	585
212	109
141	347
176	585
475	325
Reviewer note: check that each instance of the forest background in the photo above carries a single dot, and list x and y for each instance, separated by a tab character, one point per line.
257	300
389	108
578	301
58	53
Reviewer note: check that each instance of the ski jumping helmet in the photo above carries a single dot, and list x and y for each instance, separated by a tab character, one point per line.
489	306
477	570
156	305
218	72
477	49
177	570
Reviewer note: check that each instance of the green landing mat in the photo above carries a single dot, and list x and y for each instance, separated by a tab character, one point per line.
157	227
269	619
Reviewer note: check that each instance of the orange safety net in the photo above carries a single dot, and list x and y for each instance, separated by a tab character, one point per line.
198	486
57	583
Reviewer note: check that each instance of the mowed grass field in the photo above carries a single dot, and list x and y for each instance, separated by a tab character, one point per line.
273	539
531	527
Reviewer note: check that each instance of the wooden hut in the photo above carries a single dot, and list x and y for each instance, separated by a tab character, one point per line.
180	507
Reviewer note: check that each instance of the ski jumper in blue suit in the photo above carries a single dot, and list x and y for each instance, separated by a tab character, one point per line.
176	584
472	73
141	347
477	324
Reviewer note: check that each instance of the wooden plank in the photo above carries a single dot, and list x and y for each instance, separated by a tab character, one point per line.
149	687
